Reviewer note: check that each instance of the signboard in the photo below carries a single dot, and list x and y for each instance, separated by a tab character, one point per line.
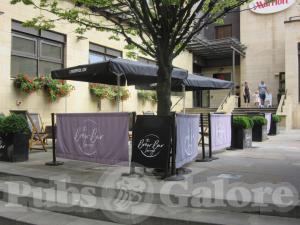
93	137
3	149
152	141
220	131
269	7
187	138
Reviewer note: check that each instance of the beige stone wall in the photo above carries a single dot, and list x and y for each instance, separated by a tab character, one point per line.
271	49
292	69
76	53
265	55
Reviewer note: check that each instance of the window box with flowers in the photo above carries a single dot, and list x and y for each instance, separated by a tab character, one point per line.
55	89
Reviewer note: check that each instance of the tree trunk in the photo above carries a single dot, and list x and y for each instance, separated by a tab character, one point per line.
164	88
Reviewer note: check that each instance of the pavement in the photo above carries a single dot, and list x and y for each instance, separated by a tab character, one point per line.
239	181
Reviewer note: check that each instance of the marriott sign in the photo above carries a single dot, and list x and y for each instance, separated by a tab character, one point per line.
268	7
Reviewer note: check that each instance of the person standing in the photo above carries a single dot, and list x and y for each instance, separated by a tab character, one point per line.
246	94
262	89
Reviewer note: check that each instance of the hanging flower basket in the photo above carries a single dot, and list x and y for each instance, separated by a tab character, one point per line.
26	84
56	88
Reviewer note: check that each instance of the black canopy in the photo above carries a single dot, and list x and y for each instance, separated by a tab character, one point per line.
135	73
194	83
197	82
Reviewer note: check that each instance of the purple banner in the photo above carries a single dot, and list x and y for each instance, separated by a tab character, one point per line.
268	116
187	138
220	131
93	137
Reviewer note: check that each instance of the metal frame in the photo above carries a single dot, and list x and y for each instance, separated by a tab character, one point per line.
214	49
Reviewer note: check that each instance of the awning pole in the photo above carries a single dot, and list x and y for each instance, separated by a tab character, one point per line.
183	92
118	95
233	71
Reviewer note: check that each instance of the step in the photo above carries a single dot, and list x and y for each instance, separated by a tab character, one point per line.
142	213
155	196
22	215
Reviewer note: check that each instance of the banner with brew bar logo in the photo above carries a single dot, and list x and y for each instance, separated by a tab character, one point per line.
187	138
220	131
93	137
268	116
152	141
3	148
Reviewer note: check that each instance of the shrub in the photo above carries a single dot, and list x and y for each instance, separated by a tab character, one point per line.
276	118
259	120
14	124
242	121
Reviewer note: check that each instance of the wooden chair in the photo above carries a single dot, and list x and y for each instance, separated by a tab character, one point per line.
38	136
205	131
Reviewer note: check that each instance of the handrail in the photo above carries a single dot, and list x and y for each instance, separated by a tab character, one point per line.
284	99
225	100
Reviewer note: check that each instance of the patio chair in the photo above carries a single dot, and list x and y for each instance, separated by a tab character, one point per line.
38	136
205	131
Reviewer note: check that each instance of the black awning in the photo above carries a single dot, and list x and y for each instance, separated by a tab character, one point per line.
197	82
130	72
194	82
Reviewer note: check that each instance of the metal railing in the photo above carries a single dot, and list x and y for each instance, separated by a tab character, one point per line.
225	100
284	100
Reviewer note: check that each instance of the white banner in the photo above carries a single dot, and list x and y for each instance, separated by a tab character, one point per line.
220	131
268	116
187	138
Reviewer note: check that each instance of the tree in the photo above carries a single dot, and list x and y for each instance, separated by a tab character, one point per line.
159	28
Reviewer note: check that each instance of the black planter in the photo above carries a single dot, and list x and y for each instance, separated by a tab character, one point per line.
259	133
14	148
241	138
274	129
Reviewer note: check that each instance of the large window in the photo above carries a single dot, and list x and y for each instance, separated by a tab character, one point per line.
35	52
224	31
147	61
100	53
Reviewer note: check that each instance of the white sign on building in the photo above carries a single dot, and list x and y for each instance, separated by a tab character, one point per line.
268	7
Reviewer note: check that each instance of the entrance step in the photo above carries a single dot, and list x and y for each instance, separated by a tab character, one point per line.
22	215
110	208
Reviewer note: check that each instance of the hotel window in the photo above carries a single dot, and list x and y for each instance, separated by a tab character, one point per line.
224	31
35	52
147	61
100	53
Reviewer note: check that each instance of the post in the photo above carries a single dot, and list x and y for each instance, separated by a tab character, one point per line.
209	135
202	136
183	92
54	162
233	71
118	96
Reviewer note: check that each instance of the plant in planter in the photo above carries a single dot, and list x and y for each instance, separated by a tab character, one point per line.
241	132
259	132
274	129
56	88
26	84
15	134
